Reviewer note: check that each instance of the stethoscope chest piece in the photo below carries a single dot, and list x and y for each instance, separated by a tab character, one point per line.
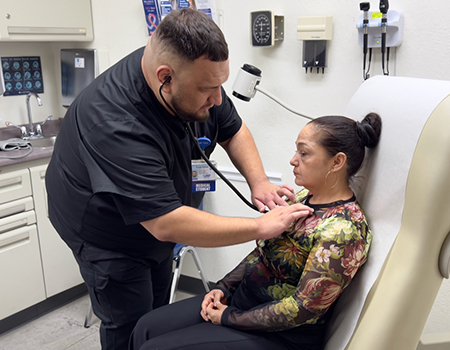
203	142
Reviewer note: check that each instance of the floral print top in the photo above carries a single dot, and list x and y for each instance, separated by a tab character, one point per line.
293	279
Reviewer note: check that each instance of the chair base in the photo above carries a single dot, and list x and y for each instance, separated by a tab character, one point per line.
177	272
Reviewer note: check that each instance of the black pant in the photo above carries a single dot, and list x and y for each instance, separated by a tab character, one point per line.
180	326
122	289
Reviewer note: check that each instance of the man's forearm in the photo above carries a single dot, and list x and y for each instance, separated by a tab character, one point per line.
195	227
190	226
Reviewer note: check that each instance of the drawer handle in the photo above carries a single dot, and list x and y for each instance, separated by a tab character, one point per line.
13	210
7	240
13	225
17	180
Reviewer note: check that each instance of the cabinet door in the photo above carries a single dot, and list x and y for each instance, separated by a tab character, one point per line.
46	20
60	268
22	284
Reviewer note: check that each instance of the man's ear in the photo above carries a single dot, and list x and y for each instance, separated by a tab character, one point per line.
164	74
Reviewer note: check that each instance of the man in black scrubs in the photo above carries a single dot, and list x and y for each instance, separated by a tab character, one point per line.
119	181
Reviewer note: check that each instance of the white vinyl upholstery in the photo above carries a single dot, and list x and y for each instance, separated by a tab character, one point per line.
404	190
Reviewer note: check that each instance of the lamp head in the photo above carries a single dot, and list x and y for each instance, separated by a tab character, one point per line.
244	86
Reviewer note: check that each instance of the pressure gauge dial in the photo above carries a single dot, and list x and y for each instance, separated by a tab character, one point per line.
262	23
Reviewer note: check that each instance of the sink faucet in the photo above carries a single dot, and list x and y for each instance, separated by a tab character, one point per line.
31	133
30	119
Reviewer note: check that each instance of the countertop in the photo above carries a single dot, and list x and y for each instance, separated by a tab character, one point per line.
50	128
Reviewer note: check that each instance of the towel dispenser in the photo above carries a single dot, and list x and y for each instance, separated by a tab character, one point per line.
78	68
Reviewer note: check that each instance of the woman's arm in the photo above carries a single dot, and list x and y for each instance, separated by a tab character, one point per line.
329	269
231	281
226	287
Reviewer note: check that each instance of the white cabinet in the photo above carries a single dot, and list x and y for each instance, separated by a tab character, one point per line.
21	275
61	271
46	20
35	263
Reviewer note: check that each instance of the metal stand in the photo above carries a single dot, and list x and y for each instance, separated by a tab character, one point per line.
179	264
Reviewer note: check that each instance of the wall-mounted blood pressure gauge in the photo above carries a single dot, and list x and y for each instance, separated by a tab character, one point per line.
266	28
262	27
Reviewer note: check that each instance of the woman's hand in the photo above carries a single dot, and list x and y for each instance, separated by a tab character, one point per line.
210	301
214	313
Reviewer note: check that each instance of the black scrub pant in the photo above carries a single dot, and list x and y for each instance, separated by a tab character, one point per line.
180	326
122	289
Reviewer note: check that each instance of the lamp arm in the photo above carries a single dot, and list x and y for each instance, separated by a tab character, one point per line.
268	94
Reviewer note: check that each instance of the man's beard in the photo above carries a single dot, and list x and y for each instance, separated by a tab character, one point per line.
187	116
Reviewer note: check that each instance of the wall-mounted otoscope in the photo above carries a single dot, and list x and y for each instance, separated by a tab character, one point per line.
384	7
365	6
247	83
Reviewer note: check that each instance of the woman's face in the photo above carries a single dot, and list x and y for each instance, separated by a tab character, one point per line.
311	162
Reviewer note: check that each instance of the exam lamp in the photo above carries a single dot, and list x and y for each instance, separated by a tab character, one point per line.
247	83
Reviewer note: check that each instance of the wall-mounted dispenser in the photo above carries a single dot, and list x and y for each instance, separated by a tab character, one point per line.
315	32
78	68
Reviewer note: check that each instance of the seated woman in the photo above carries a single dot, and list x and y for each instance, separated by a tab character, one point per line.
281	295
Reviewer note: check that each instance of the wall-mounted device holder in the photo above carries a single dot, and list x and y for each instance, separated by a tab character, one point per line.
266	28
78	68
315	32
394	29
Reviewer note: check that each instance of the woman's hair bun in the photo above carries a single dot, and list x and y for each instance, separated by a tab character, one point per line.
369	130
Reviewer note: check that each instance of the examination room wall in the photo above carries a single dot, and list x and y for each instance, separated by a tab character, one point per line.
119	28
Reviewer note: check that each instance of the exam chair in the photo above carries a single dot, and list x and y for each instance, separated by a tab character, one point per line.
405	192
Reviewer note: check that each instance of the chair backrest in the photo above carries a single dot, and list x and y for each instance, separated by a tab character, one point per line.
406	197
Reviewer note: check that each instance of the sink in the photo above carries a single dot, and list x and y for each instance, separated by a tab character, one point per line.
47	141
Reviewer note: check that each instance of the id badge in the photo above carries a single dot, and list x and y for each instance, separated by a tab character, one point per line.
203	177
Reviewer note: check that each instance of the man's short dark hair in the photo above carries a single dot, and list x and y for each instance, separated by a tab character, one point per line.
191	34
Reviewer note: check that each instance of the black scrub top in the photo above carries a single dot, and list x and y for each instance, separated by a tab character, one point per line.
120	159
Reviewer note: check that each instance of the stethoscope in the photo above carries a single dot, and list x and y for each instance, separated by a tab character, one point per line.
204	141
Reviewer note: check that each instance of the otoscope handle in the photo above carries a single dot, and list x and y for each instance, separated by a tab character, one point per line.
365	44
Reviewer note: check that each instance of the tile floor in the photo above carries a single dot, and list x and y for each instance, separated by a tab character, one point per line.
62	329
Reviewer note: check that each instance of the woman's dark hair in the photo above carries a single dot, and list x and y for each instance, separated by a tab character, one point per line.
342	134
191	34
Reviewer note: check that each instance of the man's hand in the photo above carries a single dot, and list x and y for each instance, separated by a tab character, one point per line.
278	220
270	195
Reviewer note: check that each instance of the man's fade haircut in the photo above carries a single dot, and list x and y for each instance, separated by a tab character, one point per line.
191	34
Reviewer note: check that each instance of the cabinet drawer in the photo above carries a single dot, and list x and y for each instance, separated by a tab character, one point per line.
14	185
18	220
22	283
16	207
